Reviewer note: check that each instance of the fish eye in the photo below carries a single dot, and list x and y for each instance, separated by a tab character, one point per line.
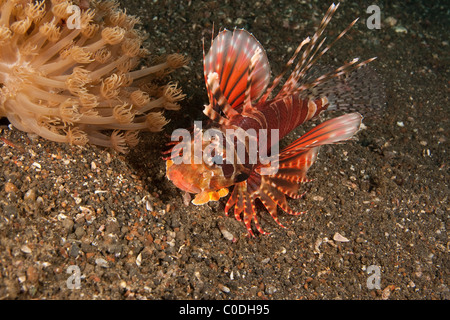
217	159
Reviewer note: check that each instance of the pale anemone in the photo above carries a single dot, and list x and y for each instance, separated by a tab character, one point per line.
69	77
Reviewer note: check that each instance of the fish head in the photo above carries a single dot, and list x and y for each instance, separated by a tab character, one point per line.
208	173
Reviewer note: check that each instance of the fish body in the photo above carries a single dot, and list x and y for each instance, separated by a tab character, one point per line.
241	99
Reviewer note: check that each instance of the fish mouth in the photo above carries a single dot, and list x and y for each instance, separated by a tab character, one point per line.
180	178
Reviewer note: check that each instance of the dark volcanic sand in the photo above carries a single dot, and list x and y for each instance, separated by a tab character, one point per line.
125	225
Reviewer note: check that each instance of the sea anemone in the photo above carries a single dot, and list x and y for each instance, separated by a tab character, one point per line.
66	73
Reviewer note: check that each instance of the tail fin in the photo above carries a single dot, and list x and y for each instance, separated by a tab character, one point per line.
361	90
290	169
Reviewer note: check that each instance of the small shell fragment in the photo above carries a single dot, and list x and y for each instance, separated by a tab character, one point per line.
223	288
317	246
400	29
149	206
340	238
25	249
186	198
139	260
101	262
36	165
226	234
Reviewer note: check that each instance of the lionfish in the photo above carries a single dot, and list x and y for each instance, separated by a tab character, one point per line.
237	76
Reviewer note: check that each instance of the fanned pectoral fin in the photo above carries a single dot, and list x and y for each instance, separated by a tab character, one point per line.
206	196
293	164
270	190
230	57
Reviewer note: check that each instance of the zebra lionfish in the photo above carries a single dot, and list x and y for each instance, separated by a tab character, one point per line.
237	77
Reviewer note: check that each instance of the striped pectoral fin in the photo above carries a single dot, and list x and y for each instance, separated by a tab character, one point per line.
271	206
236	200
244	207
271	190
291	168
241	200
296	159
